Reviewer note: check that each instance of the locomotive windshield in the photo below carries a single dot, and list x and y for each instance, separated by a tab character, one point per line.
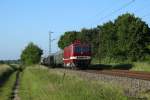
79	49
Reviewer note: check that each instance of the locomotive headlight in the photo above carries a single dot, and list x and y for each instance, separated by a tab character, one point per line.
80	57
74	57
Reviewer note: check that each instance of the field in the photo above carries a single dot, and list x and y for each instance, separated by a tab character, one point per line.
43	84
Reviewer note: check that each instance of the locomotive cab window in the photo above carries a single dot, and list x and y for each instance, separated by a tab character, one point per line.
79	49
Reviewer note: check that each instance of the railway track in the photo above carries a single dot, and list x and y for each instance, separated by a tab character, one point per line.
123	73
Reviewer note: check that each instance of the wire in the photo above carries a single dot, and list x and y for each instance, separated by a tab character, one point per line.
122	7
146	15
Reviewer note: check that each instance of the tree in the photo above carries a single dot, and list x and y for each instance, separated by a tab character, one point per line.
67	39
125	38
133	37
107	41
31	54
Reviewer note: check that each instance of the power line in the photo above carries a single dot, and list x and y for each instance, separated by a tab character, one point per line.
122	7
146	15
140	9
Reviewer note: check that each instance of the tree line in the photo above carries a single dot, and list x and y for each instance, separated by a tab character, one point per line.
127	38
9	61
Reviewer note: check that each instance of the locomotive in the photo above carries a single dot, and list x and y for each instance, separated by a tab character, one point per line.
76	55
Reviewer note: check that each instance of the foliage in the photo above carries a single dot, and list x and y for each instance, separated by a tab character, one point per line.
31	54
60	86
67	39
107	40
133	37
125	39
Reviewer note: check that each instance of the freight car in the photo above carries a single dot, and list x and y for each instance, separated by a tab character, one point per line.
47	60
76	55
53	60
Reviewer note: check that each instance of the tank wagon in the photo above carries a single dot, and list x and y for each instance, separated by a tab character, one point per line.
75	55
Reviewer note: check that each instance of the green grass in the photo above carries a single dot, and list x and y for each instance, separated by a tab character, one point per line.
6	89
5	72
4	68
141	66
7	79
136	66
44	84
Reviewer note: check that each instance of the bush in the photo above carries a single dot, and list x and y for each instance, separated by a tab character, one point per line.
31	54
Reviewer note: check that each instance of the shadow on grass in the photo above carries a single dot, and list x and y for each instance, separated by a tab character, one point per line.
110	67
100	67
5	75
122	66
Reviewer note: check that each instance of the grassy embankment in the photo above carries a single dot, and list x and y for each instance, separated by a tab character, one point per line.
43	84
7	80
137	66
141	66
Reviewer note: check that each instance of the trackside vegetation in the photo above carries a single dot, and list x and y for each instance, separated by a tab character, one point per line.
44	84
127	38
141	66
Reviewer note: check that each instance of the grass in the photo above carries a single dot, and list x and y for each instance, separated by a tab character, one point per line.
135	66
7	79
43	84
5	72
4	68
141	66
6	89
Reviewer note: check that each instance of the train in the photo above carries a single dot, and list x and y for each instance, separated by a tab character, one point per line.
76	55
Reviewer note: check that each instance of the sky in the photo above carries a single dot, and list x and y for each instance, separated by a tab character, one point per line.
24	21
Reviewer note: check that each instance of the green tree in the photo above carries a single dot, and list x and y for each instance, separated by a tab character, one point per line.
31	54
67	39
125	38
133	37
107	41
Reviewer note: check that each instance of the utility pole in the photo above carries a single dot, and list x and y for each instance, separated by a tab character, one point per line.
99	47
50	42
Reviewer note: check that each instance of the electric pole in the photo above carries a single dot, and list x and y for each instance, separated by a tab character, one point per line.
50	42
99	47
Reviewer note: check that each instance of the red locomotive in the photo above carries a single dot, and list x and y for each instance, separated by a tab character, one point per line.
77	55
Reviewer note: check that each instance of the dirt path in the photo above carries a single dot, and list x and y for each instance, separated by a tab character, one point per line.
16	87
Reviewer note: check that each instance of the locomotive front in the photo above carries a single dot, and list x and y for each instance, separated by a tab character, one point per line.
77	55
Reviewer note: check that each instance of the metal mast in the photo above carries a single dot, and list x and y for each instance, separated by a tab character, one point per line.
99	46
50	42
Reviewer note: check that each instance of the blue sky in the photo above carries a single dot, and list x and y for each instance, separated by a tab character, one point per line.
24	21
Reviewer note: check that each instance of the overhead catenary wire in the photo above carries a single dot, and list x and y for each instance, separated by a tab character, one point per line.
146	15
111	13
115	11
